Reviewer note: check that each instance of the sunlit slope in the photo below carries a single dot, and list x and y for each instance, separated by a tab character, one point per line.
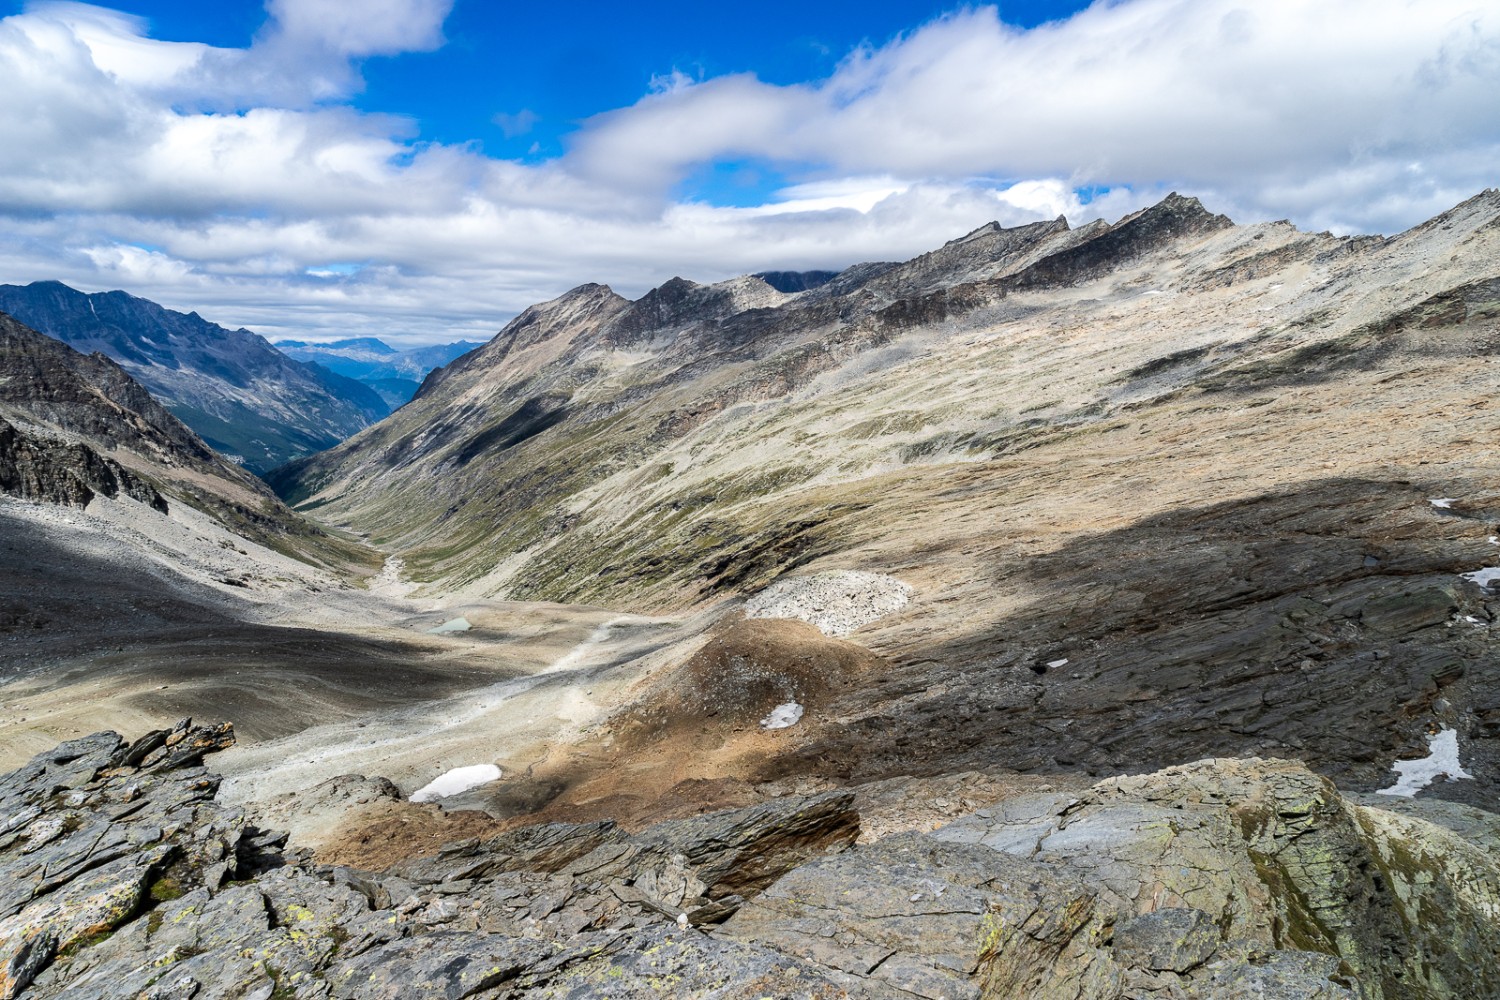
706	438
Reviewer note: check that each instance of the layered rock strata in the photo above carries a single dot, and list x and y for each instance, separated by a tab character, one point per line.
1221	879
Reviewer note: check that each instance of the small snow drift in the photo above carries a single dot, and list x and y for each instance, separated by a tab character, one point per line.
460	779
1487	577
1443	503
449	627
783	716
1442	758
834	603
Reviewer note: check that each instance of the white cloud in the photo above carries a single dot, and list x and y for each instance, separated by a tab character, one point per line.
240	183
1218	96
365	28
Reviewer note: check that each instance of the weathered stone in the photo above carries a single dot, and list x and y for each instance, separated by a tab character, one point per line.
544	848
1173	940
742	851
669	961
1124	889
445	965
934	920
1282	975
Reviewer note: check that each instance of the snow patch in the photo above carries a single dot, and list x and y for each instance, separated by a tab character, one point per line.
1442	758
1443	503
460	779
783	716
1054	664
834	603
448	627
1486	577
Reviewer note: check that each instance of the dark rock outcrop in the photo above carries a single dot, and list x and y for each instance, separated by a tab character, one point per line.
120	876
67	473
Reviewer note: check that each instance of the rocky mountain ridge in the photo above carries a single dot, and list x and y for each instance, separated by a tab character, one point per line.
1217	880
234	389
1126	470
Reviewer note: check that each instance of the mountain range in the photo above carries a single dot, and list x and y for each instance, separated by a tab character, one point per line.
395	375
1087	613
1125	468
240	394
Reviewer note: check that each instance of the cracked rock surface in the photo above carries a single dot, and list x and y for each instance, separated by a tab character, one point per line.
121	876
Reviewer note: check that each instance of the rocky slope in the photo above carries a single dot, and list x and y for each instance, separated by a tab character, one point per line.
1162	489
75	426
395	375
234	389
1223	879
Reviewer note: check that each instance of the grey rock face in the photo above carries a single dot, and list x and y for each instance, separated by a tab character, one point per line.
911	917
1172	940
35	468
121	877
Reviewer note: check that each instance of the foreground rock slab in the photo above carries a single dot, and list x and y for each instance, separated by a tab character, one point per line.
121	876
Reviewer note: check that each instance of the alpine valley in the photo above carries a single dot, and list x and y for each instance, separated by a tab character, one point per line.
1093	612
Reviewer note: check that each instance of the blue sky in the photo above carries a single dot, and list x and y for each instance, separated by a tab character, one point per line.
421	170
563	63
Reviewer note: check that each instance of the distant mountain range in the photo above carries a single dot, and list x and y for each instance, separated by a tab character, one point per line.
76	426
248	400
395	375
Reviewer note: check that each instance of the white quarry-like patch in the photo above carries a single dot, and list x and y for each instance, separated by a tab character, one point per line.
1442	758
460	779
834	603
1443	503
455	625
1484	577
388	582
783	716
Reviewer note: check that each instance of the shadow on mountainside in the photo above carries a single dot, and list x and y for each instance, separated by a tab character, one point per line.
1327	623
81	638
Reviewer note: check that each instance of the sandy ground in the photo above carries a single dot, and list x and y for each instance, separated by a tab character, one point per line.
118	617
121	618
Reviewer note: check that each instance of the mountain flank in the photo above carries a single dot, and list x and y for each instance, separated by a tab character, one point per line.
77	426
242	396
1127	471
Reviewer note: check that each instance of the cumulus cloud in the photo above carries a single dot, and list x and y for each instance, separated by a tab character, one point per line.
240	182
1218	96
367	28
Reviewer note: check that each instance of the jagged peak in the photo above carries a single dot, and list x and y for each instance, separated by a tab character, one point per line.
974	234
1175	207
994	228
671	290
587	290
